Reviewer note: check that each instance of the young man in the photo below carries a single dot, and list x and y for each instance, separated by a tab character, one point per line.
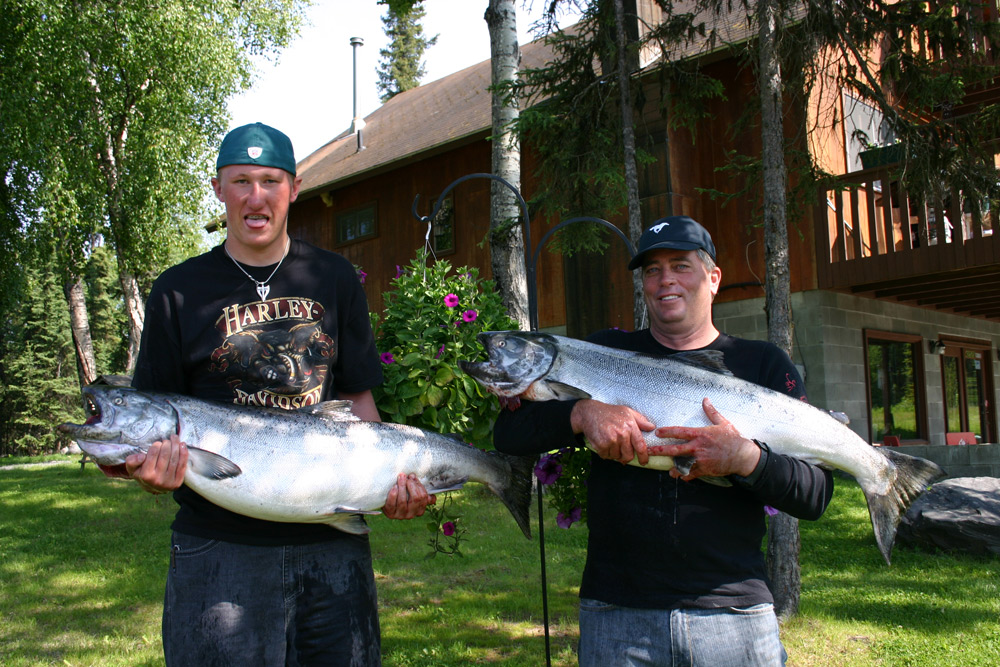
675	574
262	320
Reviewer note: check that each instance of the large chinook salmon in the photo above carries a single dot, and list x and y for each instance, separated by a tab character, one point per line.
319	464
669	392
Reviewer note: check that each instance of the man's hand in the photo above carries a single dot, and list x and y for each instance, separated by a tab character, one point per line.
718	450
161	468
614	431
407	499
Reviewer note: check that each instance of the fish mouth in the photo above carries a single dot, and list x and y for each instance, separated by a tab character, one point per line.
516	360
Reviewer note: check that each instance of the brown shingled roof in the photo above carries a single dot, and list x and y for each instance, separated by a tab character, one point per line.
411	123
415	123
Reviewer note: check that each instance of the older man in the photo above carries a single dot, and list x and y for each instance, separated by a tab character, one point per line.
675	574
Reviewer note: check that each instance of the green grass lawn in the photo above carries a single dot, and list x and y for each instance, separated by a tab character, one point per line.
83	560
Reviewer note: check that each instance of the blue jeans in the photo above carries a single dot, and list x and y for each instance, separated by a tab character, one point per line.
235	604
612	636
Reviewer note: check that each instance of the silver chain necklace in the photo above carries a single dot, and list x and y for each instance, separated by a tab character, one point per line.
262	285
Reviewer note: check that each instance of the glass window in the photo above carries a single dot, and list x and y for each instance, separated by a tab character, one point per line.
895	386
356	224
968	385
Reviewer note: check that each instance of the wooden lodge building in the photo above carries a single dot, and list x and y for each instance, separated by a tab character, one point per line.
898	330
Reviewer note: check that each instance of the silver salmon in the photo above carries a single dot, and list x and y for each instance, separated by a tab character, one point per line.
669	391
319	464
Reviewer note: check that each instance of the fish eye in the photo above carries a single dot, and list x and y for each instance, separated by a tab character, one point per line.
119	400
502	343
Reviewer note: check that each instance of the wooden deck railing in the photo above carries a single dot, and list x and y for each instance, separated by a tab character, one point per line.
872	231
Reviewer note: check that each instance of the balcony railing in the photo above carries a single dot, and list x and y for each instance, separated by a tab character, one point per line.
873	231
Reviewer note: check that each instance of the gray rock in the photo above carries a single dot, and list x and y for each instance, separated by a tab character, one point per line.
956	515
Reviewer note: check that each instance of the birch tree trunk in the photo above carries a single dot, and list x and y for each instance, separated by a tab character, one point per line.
135	309
506	235
80	326
628	143
783	530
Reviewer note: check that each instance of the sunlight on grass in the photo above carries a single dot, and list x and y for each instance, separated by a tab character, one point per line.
83	561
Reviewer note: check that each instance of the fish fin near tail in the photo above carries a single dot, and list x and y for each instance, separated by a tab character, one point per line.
913	476
349	521
516	490
211	465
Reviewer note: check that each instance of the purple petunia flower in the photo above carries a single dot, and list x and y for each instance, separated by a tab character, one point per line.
399	270
362	275
548	469
440	352
387	357
469	316
770	511
451	300
566	520
448	528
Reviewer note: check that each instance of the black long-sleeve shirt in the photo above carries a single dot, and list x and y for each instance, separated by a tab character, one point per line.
657	542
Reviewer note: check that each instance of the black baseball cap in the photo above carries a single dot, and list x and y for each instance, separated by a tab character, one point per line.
676	232
257	144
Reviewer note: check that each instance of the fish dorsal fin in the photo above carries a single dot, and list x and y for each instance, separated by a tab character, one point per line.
711	360
334	410
841	417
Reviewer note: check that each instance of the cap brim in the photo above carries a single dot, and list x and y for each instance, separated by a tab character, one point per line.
663	245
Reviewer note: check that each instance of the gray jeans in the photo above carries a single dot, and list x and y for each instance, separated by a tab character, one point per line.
234	604
612	636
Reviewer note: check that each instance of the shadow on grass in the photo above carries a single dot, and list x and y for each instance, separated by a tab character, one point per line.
76	574
845	577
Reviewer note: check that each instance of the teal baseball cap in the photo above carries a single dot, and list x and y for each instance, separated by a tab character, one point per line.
257	144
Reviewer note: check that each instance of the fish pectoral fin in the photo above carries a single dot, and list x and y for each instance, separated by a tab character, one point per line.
334	410
453	487
354	510
349	523
211	465
561	391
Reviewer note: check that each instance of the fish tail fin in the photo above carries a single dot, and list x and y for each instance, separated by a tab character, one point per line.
515	491
913	476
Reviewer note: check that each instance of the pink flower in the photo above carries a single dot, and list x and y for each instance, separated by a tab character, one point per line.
469	316
451	300
440	352
362	275
399	271
387	357
548	469
770	511
448	528
567	520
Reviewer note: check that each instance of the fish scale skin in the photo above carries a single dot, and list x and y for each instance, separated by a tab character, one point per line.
340	463
295	466
671	395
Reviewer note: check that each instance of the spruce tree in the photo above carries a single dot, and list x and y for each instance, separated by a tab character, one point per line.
401	65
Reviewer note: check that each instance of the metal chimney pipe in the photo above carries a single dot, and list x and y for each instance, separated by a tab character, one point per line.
357	124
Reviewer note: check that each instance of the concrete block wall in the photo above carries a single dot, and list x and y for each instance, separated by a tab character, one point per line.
961	461
829	346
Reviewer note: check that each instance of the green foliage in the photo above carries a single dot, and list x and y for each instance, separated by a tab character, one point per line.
106	312
430	322
565	474
445	526
400	68
81	552
39	365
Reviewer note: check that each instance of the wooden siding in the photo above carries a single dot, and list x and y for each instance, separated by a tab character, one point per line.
400	235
